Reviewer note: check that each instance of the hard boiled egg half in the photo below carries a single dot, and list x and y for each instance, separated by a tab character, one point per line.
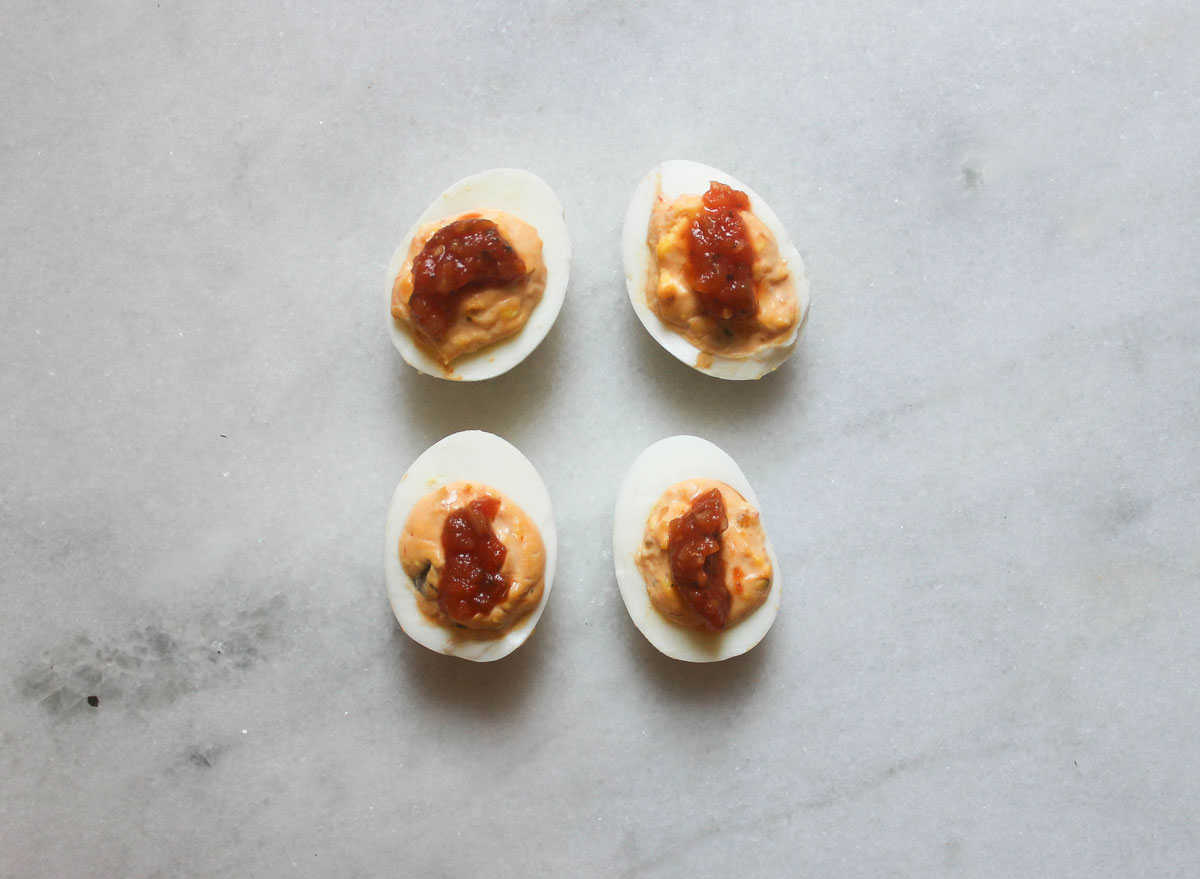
670	478
471	547
658	226
497	324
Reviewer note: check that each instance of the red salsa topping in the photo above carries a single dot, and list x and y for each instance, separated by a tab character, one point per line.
721	260
466	253
697	569
471	582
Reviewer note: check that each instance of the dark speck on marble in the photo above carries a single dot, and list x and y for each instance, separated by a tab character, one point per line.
972	178
1122	512
203	758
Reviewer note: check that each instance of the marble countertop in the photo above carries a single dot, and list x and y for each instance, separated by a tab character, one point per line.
979	470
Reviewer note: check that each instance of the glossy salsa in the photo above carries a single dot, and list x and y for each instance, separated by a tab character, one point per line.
471	582
697	568
721	259
466	253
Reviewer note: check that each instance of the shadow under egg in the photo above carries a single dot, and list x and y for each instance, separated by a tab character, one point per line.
728	682
490	691
434	408
694	396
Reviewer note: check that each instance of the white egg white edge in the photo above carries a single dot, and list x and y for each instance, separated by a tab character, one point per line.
528	197
660	466
679	177
478	457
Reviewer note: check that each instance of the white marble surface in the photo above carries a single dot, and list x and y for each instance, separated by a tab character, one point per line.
980	470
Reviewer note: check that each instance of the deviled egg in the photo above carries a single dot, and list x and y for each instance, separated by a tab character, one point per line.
470	547
478	281
711	271
694	565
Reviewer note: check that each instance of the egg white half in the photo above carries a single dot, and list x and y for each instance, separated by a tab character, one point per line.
655	470
523	195
681	177
486	459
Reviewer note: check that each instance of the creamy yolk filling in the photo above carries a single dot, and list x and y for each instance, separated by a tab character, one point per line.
485	313
747	569
671	297
423	558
